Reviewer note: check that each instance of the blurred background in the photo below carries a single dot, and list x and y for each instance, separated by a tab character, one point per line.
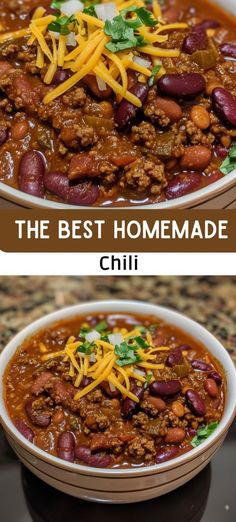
209	300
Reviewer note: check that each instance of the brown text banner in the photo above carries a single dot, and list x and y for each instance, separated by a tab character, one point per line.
94	230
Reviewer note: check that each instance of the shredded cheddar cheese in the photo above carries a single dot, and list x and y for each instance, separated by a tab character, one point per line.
91	53
102	360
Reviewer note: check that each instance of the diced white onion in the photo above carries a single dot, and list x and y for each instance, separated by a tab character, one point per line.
55	34
142	373
71	7
101	84
105	11
141	61
71	40
92	336
92	358
115	338
112	387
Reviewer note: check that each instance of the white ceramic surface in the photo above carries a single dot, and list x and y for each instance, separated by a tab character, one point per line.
121	486
221	194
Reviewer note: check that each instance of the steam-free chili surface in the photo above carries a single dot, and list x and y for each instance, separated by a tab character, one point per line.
114	391
96	149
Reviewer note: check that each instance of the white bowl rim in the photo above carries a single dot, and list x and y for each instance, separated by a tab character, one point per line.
193	198
113	306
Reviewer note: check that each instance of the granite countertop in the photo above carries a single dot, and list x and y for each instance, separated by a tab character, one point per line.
209	300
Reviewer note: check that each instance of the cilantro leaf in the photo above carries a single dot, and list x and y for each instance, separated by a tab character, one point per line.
155	70
118	29
229	164
56	4
148	378
126	354
90	10
86	348
84	330
101	326
62	24
203	433
122	33
146	17
141	342
141	328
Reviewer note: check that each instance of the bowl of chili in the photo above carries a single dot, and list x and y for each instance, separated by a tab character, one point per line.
116	401
93	117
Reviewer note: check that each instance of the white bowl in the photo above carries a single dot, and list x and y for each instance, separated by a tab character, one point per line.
124	485
221	194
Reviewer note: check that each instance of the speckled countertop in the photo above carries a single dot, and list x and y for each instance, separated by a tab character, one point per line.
209	300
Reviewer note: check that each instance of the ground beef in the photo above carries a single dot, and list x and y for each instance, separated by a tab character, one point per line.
77	136
141	420
141	448
197	137
144	175
153	113
97	421
144	133
74	97
149	408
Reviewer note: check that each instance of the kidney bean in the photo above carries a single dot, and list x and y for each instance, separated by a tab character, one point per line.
197	364
19	130
58	417
127	111
216	376
129	406
221	151
225	105
83	453
211	387
185	347
165	387
175	357
38	418
195	40
24	429
181	85
228	49
195	402
165	454
191	431
111	393
5	67
52	11
80	194
157	402
91	83
214	176
171	14
60	76
138	391
171	109
85	382
31	173
3	134
175	435
208	24
98	460
200	116
195	157
182	184
40	382
66	446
